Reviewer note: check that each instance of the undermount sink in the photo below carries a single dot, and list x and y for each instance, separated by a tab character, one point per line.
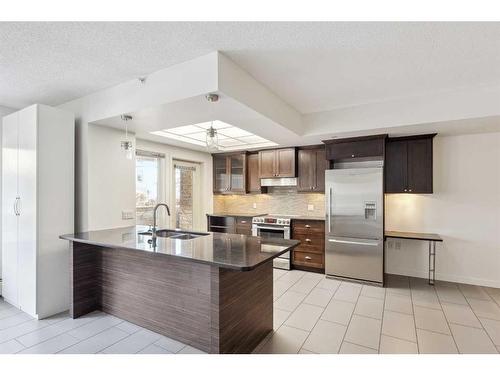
174	234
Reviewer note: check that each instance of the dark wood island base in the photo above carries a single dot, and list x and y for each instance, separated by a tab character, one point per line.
214	309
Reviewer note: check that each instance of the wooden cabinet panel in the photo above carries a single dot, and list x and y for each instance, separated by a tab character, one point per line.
408	165
359	147
277	163
315	244
311	166
308	227
306	170
306	259
321	166
420	166
267	163
253	179
396	166
285	162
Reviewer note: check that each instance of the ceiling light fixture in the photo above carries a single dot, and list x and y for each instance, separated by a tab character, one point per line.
212	139
126	145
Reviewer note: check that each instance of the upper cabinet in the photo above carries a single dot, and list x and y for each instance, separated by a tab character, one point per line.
312	164
408	165
229	173
359	147
253	179
277	163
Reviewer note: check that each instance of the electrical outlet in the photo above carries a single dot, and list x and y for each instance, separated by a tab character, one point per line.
127	215
310	207
254	205
398	245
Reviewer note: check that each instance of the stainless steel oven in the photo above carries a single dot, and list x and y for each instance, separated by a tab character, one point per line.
274	227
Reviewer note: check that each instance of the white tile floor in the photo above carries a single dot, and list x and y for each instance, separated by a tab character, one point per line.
312	314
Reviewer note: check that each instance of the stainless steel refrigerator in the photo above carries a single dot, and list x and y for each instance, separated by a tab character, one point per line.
354	243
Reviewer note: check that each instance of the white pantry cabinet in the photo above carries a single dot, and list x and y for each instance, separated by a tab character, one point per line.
37	207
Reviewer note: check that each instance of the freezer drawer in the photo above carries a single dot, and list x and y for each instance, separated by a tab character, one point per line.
355	258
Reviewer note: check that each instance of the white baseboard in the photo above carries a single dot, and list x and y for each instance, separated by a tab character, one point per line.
445	277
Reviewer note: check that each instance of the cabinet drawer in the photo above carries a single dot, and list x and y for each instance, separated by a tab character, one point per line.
308	227
244	221
302	258
311	243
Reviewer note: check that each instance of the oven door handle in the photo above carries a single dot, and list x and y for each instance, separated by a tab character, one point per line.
271	228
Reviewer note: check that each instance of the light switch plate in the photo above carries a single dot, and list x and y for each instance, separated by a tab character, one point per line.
254	205
310	207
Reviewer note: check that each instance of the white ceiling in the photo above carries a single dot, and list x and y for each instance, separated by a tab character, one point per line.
312	66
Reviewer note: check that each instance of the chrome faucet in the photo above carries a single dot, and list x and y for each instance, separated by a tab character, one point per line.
155	210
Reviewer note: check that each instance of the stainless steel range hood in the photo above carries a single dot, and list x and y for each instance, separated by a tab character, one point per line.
281	181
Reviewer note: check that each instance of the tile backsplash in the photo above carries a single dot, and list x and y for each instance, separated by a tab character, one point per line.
285	201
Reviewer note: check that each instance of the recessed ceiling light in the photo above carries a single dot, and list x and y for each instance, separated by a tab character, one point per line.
231	138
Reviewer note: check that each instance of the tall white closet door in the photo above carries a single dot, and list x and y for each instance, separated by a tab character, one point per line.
9	217
27	258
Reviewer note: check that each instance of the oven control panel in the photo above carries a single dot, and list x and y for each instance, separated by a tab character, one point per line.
271	221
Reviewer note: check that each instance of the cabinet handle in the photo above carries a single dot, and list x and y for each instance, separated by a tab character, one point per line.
307	257
308	240
406	190
243	221
352	155
15	206
307	226
409	190
19	206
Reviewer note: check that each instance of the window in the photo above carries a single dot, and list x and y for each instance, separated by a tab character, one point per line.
187	209
148	185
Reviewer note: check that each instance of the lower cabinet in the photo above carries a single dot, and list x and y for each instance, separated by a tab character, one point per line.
230	224
310	254
244	225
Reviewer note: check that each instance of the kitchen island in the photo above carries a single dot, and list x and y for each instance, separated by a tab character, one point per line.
213	292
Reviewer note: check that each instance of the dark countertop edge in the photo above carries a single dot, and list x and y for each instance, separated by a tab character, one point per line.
69	237
246	214
313	218
413	236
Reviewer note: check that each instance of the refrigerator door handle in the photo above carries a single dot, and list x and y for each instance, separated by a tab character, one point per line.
371	243
329	210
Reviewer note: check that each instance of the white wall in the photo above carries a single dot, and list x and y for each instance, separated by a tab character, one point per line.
205	160
4	111
111	179
464	210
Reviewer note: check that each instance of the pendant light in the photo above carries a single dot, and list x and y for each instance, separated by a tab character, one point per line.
212	139
126	145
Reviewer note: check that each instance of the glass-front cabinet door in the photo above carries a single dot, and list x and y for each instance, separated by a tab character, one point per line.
221	178
237	173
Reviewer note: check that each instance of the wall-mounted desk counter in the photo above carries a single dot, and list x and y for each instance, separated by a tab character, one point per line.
430	237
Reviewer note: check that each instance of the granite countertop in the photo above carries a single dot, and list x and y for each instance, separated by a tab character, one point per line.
233	251
230	214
